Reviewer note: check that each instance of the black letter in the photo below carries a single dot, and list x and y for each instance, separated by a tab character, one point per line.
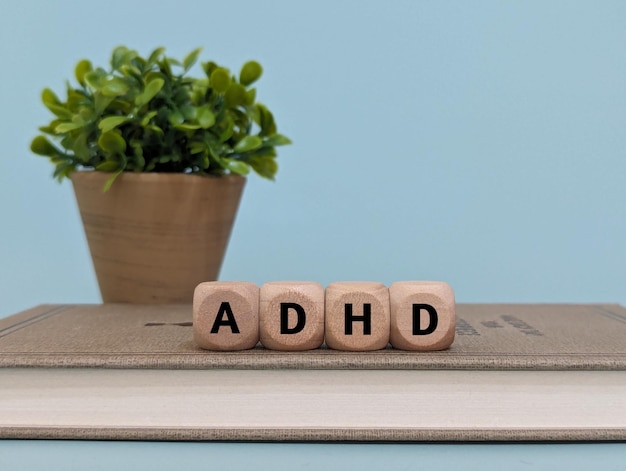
366	318
434	319
230	319
284	318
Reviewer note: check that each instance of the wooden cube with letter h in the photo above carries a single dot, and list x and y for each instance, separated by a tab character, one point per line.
357	316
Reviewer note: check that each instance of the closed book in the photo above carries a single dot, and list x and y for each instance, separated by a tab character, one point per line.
554	372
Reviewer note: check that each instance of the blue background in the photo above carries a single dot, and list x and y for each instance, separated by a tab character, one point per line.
80	456
478	143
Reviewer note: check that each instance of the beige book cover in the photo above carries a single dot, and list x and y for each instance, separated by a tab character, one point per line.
494	336
122	372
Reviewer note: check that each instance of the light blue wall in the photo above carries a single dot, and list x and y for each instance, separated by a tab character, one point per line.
479	143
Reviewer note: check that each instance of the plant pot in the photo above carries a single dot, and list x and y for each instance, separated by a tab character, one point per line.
154	236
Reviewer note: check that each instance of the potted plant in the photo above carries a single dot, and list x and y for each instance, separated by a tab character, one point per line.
158	161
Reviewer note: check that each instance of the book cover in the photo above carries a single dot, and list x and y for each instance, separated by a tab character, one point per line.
496	336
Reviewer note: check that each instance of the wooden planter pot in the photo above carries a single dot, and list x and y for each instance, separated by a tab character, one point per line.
153	236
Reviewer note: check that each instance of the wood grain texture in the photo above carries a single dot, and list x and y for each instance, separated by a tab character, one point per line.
403	296
226	315
307	315
153	237
357	316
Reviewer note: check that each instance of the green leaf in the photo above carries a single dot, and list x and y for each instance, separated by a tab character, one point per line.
248	143
205	118
228	130
155	129
197	147
206	162
60	111
153	75
187	126
220	80
78	99
209	67
189	112
250	96
165	68
176	117
101	102
265	167
96	79
147	117
121	105
235	95
49	129
191	58
81	148
48	97
261	152
153	87
52	102
235	166
109	182
85	115
140	162
154	56
41	146
121	56
108	166
63	170
250	72
112	142
266	120
132	72
67	127
82	68
277	140
111	122
117	56
115	86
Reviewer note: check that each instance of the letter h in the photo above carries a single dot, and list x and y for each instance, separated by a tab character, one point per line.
366	318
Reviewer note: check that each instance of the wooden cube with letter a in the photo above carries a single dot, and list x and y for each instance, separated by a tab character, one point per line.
291	315
422	315
357	316
226	315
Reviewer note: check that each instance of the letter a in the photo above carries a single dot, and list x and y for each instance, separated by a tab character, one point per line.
230	319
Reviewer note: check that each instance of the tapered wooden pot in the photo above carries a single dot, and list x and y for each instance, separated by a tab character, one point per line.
154	236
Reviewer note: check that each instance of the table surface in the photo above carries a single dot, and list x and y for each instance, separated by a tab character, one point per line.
70	455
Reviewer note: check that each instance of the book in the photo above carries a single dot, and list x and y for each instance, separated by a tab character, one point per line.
552	372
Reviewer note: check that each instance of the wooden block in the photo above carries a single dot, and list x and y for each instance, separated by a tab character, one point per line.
357	316
422	315
226	315
291	315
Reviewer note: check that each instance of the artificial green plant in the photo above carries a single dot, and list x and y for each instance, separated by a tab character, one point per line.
146	115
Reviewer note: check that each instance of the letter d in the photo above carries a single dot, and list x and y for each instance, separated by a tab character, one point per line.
284	318
433	319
